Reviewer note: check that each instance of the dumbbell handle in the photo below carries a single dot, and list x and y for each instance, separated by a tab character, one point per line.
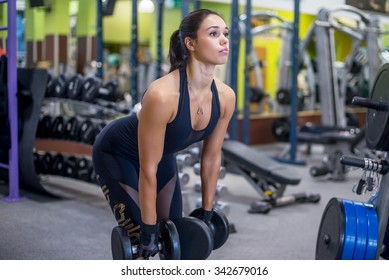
135	248
368	103
381	167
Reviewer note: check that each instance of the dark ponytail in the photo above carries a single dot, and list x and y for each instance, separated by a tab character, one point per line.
178	53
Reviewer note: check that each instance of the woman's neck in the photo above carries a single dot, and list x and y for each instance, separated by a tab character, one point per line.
199	76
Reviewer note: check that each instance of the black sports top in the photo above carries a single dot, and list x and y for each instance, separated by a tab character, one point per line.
121	136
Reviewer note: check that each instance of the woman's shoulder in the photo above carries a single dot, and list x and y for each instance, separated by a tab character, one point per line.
224	89
163	89
168	83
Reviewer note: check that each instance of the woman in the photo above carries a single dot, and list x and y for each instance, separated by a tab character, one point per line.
134	157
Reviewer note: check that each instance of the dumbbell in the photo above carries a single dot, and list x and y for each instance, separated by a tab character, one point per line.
92	88
74	87
44	127
220	189
71	129
57	127
83	169
222	171
89	128
184	178
187	238
183	160
46	163
220	226
220	205
57	87
58	165
168	243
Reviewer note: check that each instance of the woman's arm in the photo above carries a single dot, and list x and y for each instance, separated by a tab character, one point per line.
156	112
211	150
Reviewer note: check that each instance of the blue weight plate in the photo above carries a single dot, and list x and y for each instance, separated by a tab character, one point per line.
361	238
372	232
330	238
350	230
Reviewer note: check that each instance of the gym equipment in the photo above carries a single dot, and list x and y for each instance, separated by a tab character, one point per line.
168	243
196	240
92	89
187	238
184	178
220	188
220	205
219	226
57	127
267	176
361	232
74	87
44	126
377	126
222	171
58	87
348	231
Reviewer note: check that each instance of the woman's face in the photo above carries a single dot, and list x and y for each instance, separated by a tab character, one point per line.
212	44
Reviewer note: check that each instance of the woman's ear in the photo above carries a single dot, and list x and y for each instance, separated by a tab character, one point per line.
190	44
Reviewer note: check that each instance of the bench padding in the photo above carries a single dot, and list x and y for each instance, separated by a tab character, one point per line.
251	159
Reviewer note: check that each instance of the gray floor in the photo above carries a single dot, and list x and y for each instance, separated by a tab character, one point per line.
78	226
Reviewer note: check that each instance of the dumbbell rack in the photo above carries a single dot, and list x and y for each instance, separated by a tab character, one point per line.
69	149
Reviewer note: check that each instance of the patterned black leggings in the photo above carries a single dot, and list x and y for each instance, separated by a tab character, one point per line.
118	178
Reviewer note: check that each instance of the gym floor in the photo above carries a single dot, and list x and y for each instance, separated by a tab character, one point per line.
78	225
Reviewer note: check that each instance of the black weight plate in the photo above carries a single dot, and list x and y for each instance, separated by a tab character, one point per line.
221	227
71	129
330	239
195	238
74	87
57	127
58	165
170	241
120	244
90	89
377	124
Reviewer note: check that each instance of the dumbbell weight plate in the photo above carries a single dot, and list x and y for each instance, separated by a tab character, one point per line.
74	87
71	129
59	87
121	244
196	240
57	127
82	169
90	89
44	126
169	240
220	224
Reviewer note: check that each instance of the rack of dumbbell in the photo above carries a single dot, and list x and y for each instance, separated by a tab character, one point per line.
89	89
74	111
357	229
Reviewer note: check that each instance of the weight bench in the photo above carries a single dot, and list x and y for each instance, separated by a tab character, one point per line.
336	141
267	176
